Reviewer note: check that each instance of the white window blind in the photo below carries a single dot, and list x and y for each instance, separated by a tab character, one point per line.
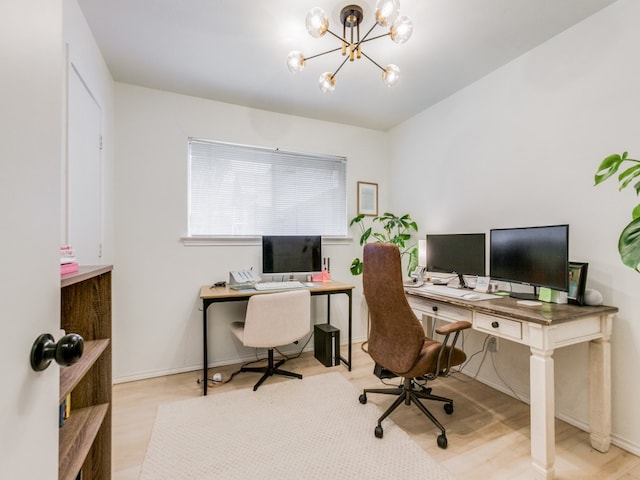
238	190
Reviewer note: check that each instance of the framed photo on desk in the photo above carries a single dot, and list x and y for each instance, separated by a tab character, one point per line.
368	199
577	282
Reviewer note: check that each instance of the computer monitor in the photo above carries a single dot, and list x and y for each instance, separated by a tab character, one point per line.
283	254
536	256
458	253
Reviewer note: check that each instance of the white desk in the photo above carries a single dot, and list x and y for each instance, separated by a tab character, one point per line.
543	328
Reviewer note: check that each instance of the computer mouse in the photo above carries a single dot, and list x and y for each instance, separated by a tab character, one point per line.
471	296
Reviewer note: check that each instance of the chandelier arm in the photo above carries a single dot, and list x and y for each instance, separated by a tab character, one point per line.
364	39
322	53
376	37
372	61
342	39
338	69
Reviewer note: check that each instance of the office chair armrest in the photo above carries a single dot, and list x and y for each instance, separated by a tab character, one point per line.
448	328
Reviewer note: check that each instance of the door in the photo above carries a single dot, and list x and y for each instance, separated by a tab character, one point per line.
30	193
84	178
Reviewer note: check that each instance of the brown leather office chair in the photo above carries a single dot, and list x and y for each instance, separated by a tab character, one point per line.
397	342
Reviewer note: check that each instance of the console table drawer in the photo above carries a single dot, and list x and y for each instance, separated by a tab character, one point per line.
498	326
441	311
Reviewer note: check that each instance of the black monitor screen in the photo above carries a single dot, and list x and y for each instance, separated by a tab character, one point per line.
537	256
461	253
291	254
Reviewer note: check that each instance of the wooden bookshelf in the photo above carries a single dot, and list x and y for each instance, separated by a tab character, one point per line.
85	437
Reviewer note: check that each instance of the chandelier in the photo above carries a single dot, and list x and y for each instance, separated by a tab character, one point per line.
387	15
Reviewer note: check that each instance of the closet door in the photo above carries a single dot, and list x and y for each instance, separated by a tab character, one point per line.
84	173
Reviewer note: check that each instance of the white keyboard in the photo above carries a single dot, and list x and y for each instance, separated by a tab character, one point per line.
463	293
278	285
446	291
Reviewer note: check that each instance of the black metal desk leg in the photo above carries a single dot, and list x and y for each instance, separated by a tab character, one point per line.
205	361
350	324
347	361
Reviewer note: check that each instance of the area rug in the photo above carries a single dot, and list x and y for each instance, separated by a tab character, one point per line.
314	428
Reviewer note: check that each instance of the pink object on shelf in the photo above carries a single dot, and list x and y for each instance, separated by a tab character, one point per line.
68	268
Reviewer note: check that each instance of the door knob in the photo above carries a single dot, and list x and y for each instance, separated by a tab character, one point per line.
66	352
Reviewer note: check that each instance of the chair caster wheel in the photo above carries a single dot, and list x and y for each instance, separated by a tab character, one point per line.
363	398
448	408
378	431
442	441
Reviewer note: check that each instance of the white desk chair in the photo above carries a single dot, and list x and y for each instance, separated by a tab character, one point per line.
272	320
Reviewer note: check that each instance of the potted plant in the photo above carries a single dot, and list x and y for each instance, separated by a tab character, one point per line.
393	229
629	241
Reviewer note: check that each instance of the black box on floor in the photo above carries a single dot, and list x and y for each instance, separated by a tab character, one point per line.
381	372
326	344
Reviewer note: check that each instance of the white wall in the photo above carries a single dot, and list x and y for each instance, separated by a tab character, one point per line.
157	279
520	148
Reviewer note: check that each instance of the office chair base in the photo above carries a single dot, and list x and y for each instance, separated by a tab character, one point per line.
269	370
407	394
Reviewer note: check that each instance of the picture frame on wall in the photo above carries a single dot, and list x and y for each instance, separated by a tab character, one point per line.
368	199
577	282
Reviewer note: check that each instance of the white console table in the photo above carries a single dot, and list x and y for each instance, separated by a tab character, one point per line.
543	328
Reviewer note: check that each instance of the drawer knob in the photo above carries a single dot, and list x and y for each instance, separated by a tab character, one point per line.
434	308
495	324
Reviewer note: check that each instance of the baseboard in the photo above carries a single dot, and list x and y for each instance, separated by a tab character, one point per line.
616	440
220	363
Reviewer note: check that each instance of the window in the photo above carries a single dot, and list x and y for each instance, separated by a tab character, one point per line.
238	190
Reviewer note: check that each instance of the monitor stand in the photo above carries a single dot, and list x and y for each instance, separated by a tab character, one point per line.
525	295
463	283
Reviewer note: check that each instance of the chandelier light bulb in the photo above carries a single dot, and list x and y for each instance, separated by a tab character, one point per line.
401	29
327	82
391	75
387	11
317	22
295	61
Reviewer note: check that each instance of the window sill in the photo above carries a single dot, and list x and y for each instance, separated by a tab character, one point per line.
204	240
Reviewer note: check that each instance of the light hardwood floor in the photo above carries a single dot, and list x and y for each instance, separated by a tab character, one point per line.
488	432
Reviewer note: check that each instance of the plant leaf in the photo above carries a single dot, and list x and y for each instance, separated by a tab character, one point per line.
357	219
629	244
608	167
626	177
356	267
413	259
636	212
381	237
365	236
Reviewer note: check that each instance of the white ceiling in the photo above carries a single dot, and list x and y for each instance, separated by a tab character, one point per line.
235	51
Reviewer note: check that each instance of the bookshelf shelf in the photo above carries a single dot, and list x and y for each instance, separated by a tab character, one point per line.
85	437
76	438
70	377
